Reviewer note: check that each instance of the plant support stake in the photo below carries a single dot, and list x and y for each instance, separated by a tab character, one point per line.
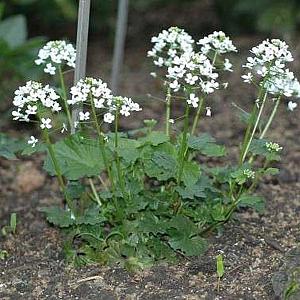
119	44
81	48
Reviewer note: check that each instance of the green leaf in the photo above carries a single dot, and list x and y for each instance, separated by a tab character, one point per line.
91	216
161	166
10	146
271	171
13	31
150	223
218	212
206	145
127	149
183	225
161	249
189	246
29	150
190	192
75	189
220	266
191	173
13	222
58	216
182	232
155	138
258	147
256	202
77	158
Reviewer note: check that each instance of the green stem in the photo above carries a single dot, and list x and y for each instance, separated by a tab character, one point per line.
201	103
248	142
256	180
182	151
118	164
198	114
168	111
95	192
271	118
103	154
58	170
64	96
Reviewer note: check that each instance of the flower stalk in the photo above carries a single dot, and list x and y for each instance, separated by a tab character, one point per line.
168	110
58	170
64	96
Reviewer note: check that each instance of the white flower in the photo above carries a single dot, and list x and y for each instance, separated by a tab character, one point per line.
56	107
282	82
249	174
174	85
193	100
32	141
126	105
227	65
17	114
50	69
273	147
292	105
108	118
99	103
171	121
30	97
170	44
64	128
248	77
217	41
84	116
46	123
209	87
39	61
268	62
191	79
91	90
225	85
159	62
208	111
91	87
31	110
57	53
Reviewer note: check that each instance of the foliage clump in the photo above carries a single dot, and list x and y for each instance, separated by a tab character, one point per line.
143	196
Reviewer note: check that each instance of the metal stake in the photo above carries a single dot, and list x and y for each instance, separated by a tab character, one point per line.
119	44
81	47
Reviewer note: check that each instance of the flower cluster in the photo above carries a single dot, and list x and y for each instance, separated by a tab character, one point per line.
169	44
273	147
187	69
31	97
95	92
268	62
56	53
249	174
282	82
193	70
217	42
91	88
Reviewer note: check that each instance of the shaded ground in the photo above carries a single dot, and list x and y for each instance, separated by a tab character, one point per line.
253	245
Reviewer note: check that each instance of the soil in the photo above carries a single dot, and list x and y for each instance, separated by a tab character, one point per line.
253	246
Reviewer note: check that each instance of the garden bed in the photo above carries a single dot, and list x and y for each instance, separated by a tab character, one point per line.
253	246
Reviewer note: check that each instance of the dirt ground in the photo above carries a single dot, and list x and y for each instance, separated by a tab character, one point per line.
253	246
